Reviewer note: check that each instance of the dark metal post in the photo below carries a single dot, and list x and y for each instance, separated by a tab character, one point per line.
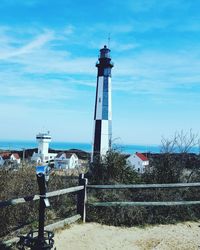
42	187
44	239
41	219
82	197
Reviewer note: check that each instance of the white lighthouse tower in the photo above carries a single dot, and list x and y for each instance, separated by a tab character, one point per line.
103	111
43	155
43	144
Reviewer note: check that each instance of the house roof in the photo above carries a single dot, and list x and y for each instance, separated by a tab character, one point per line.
141	156
59	154
16	156
66	155
5	155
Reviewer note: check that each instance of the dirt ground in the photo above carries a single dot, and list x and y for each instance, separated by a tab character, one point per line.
92	236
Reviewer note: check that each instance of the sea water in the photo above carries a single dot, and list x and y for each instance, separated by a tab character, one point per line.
125	148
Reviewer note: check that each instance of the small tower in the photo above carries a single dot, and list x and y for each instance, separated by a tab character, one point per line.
103	111
43	145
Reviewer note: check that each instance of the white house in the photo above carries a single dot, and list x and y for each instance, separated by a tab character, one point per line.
39	159
15	158
7	157
43	155
36	158
66	161
138	161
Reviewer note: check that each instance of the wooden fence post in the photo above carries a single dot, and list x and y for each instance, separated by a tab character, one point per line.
82	197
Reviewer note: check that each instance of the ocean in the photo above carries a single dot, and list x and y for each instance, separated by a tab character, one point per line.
19	145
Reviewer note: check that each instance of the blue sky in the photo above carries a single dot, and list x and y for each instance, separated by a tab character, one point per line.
48	51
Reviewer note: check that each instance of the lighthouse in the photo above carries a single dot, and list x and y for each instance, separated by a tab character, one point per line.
43	155
103	110
43	143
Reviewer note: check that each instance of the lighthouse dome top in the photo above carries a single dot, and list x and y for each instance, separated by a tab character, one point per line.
105	52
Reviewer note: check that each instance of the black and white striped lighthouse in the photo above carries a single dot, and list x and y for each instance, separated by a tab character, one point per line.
103	110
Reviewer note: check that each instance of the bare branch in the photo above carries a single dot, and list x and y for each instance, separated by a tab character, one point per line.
186	141
168	145
181	142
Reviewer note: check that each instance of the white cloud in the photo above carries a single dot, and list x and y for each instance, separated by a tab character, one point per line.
50	76
157	73
144	72
43	55
35	44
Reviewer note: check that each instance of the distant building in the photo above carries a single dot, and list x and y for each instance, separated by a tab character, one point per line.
15	158
138	161
66	161
43	155
1	160
7	158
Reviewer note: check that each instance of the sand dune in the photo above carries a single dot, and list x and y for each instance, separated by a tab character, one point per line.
92	236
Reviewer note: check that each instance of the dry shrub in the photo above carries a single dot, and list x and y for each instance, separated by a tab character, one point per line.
14	184
113	170
23	182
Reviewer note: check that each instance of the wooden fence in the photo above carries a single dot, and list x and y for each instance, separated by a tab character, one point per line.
82	203
80	190
83	188
81	206
144	203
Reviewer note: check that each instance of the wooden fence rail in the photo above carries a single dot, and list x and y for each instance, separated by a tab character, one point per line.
144	203
37	197
147	186
81	189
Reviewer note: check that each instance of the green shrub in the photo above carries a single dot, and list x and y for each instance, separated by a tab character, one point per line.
112	168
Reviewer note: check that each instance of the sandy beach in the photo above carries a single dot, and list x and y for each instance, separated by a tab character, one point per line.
93	236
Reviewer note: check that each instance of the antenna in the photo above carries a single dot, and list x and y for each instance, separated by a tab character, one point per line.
108	40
